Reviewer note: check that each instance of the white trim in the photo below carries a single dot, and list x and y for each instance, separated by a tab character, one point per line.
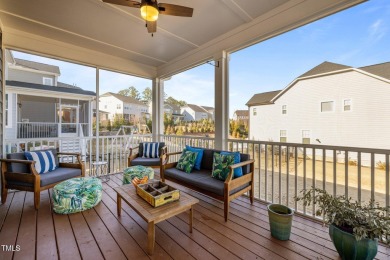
8	120
44	79
343	105
47	93
333	107
20	67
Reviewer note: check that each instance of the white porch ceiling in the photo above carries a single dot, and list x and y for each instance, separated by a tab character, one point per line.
112	37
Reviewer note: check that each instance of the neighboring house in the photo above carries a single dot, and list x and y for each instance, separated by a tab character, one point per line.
38	106
132	110
193	112
210	111
174	112
331	104
242	116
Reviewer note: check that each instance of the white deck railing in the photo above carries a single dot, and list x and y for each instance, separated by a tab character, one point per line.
27	130
282	170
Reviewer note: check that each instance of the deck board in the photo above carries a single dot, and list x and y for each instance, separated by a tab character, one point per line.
27	230
100	234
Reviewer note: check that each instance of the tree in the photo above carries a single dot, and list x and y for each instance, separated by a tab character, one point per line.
147	94
130	92
172	101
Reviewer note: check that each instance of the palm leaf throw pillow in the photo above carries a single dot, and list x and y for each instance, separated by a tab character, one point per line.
221	163
187	161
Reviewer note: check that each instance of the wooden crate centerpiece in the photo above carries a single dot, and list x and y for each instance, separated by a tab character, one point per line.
158	193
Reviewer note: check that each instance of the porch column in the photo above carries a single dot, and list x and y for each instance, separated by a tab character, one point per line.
158	109
221	100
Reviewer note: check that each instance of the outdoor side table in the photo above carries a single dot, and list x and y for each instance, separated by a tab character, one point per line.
100	170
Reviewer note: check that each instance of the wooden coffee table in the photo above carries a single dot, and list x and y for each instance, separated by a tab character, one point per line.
153	215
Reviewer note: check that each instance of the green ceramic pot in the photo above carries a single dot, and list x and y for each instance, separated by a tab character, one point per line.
349	248
280	220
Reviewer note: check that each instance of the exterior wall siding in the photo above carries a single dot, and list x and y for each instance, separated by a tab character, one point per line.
364	126
27	76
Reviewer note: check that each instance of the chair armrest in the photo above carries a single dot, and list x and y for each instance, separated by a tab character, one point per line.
166	160
78	156
243	179
17	161
131	150
31	165
65	153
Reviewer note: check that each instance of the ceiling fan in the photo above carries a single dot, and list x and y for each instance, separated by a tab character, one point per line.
150	10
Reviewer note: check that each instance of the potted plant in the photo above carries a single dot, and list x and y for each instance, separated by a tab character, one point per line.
280	221
355	229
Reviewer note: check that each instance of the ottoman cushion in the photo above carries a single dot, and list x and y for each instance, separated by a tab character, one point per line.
138	171
77	194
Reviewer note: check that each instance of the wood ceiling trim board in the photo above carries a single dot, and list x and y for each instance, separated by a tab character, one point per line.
39	45
82	36
141	21
233	6
248	34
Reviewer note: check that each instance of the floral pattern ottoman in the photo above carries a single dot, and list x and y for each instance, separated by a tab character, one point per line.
77	194
138	171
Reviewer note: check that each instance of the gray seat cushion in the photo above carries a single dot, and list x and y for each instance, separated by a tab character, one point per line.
59	174
145	161
201	179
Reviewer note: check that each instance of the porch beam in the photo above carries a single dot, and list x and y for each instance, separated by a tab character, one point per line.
221	97
157	109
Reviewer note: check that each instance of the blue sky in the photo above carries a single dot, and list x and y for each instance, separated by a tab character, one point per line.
356	37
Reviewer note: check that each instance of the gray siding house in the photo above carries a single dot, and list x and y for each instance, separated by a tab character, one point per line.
38	106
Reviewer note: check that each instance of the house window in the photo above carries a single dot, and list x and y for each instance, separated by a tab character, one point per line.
327	106
284	109
347	105
254	112
283	136
105	106
47	81
118	106
306	136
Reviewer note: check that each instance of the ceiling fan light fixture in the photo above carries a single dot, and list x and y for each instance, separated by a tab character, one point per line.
149	12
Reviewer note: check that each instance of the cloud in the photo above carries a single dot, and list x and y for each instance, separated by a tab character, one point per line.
377	30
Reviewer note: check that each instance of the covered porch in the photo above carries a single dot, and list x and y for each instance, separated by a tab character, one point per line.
120	43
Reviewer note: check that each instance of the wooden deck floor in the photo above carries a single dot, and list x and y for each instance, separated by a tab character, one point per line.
99	234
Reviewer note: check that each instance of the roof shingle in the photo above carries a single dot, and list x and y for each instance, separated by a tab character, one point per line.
324	68
262	98
38	66
124	99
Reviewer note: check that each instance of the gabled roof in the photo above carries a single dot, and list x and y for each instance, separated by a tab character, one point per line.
196	108
207	108
241	112
38	66
324	68
20	84
124	99
381	70
64	85
262	98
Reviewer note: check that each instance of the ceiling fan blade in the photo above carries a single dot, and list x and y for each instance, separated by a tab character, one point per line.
176	10
152	26
128	3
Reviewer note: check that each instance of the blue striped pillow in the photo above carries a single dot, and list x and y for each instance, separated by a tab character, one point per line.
150	150
44	160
